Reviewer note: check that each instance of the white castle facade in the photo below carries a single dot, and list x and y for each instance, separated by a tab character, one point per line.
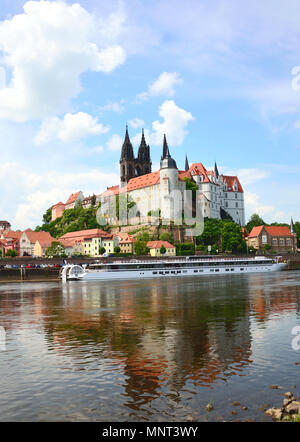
165	190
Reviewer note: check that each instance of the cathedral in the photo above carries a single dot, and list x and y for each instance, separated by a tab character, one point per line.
221	196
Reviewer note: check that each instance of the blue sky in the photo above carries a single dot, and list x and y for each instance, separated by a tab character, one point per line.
215	76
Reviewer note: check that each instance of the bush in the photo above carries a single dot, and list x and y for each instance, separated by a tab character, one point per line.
11	253
102	250
185	249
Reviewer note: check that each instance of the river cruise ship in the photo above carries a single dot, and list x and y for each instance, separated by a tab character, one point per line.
189	266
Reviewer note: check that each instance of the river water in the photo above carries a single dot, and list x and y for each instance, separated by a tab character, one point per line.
152	350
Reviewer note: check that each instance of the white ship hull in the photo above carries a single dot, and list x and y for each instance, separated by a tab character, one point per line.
168	271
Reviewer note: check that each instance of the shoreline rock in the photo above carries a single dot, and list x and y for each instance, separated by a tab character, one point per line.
290	409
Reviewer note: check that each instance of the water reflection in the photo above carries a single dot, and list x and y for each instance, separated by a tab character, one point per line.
157	340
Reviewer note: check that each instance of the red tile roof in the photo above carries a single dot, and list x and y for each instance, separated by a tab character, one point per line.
58	204
199	169
80	234
143	181
42	237
125	238
73	198
12	234
230	183
158	244
110	190
272	230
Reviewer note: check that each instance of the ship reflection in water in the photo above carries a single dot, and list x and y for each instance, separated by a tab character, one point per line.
146	350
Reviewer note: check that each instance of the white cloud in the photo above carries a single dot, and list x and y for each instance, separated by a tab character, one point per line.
253	204
114	107
73	127
136	123
2	78
33	193
247	176
114	143
47	48
175	120
163	85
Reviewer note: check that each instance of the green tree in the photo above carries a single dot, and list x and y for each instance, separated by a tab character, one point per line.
232	238
140	248
117	249
102	250
11	253
47	216
143	237
297	229
254	221
267	248
56	249
163	250
166	236
93	200
211	234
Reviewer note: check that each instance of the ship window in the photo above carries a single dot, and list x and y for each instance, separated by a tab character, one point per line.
212	270
173	272
161	273
217	270
242	270
226	270
232	270
154	273
178	271
167	273
195	271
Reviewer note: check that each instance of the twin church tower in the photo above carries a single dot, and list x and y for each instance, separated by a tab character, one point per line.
131	167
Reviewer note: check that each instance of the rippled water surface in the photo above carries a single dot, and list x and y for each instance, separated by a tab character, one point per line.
154	350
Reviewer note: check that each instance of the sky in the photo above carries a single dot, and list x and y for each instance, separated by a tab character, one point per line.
221	78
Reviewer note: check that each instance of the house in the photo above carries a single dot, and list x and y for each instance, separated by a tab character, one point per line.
4	225
93	244
74	200
41	245
57	211
10	241
277	238
126	242
29	238
89	241
72	246
155	247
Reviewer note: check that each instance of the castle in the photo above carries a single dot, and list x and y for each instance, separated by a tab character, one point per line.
220	195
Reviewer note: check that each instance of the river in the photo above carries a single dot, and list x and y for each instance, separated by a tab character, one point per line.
152	350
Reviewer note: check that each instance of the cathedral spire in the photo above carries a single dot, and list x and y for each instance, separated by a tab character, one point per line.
187	166
167	161
292	226
142	153
216	171
127	149
166	152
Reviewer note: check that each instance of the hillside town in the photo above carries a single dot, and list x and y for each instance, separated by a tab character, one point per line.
148	193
